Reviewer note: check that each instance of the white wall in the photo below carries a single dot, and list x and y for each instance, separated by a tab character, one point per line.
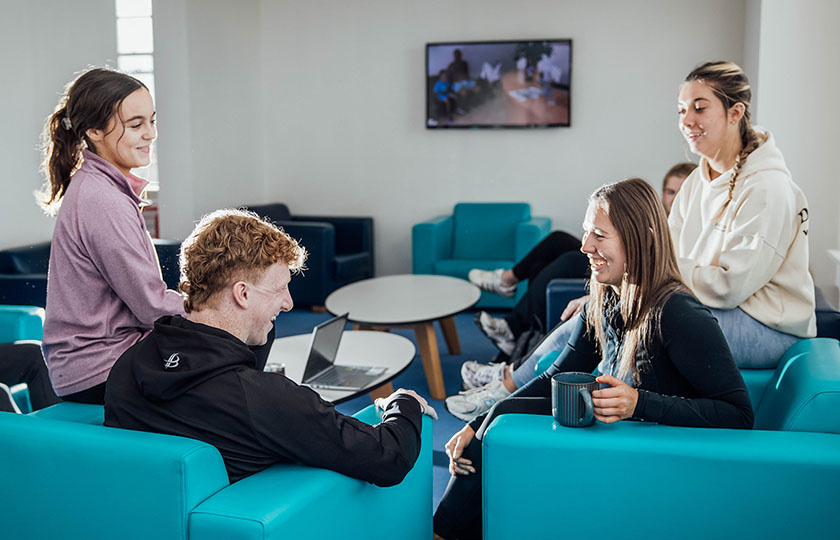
799	75
209	107
43	43
343	106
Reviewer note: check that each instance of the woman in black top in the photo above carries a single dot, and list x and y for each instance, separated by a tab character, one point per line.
660	353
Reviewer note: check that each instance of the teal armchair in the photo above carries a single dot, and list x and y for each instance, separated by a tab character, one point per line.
646	480
71	477
477	235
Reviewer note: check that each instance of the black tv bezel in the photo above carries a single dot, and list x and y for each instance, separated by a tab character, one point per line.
496	126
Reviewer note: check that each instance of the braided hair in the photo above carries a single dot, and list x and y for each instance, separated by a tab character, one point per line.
729	83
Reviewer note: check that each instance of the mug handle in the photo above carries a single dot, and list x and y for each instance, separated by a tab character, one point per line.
589	413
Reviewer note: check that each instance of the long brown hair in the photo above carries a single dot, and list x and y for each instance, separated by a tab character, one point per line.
730	85
88	102
651	272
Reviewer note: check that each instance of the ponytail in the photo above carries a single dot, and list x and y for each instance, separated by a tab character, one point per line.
88	102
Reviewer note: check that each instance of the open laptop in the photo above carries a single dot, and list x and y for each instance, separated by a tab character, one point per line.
321	371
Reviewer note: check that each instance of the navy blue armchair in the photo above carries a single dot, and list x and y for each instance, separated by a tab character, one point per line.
23	271
340	250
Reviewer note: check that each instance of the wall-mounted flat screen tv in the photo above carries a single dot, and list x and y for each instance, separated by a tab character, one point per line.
499	84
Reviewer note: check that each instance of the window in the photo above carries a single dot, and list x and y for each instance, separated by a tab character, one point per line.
135	56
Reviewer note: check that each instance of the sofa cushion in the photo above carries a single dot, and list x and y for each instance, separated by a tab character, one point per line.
804	392
487	230
354	265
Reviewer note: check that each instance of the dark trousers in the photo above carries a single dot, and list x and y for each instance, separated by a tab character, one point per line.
96	394
556	256
22	362
459	516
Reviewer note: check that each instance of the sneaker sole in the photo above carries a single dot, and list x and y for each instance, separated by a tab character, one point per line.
459	416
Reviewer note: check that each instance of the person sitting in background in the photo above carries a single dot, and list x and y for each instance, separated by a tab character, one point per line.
659	353
556	256
195	376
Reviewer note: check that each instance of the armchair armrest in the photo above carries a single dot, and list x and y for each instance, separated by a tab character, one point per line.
657	481
528	235
430	241
558	294
294	501
21	322
352	234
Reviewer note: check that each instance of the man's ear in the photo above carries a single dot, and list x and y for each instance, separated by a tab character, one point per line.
240	293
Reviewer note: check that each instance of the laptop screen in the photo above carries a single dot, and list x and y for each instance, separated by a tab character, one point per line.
325	340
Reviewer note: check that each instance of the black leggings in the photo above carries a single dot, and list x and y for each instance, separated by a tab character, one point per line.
459	516
96	394
556	256
22	362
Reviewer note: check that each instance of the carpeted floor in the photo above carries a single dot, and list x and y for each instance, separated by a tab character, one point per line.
474	346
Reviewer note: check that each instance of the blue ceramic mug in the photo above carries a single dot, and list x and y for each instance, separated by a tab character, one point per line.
571	398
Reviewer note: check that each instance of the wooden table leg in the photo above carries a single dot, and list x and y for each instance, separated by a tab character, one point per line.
450	334
427	342
384	390
369	328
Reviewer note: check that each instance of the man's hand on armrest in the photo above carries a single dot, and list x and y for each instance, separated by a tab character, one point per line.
427	409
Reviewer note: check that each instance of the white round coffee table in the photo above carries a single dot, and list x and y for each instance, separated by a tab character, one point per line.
390	351
413	301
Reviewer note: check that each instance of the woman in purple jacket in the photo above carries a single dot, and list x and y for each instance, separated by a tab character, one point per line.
104	290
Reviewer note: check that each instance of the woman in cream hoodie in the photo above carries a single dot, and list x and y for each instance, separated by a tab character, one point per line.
740	223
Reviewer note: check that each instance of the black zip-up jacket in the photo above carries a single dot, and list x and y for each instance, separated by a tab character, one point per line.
197	381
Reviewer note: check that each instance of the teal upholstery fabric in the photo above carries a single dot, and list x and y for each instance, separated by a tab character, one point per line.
654	481
73	478
487	230
804	392
317	503
67	411
21	322
543	480
477	235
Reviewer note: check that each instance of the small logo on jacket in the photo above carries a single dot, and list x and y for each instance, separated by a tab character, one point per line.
172	361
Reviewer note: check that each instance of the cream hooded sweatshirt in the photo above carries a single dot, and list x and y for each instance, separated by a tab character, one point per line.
755	255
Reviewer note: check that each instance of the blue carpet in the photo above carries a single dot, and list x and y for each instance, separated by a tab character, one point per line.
474	346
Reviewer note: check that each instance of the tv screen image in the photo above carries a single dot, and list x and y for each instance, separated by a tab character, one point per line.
498	84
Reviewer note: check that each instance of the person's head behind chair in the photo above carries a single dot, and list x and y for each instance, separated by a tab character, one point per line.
673	181
239	266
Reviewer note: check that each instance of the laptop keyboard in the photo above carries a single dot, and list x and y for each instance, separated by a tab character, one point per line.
344	376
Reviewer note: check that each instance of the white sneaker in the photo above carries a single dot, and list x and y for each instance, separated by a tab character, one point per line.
471	403
475	374
491	280
496	328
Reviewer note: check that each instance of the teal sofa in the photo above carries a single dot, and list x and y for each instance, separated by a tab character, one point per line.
477	235
67	476
644	480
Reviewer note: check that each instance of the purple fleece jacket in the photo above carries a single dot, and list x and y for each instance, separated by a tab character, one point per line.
104	290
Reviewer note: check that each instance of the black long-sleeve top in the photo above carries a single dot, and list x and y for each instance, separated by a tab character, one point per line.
687	374
197	381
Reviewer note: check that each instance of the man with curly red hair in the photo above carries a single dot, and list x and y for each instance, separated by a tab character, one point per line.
201	376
